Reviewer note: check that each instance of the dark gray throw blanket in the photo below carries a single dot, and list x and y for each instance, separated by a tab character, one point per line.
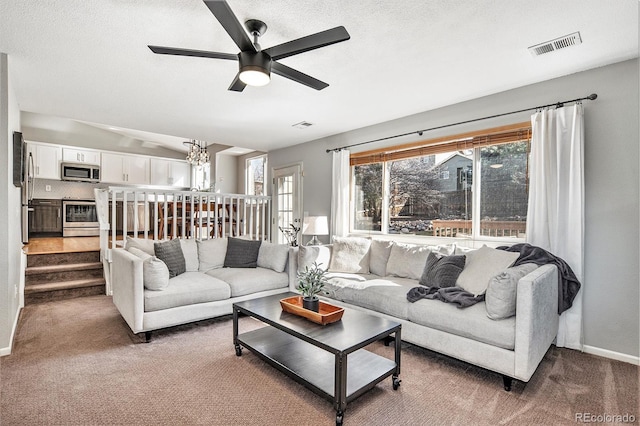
568	282
456	295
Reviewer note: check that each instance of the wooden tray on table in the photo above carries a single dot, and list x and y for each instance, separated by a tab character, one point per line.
326	314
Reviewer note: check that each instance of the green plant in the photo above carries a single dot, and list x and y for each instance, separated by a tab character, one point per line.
312	281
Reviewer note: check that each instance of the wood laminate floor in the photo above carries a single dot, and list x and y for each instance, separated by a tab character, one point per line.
61	245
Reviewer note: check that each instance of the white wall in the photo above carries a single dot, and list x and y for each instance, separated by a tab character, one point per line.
611	284
226	174
10	238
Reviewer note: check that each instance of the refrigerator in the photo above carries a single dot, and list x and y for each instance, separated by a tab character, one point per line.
23	161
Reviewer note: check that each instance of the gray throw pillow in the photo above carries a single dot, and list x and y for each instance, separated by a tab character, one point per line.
501	296
170	252
242	253
273	256
441	271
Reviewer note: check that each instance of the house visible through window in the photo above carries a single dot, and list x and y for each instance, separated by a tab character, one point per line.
412	191
256	170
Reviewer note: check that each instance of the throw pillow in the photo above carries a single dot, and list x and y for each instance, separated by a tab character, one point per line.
379	256
211	253
170	252
319	254
481	265
190	252
155	274
273	256
407	260
350	255
501	296
242	253
140	253
146	245
441	271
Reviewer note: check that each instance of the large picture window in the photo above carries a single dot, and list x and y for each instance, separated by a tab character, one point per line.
472	187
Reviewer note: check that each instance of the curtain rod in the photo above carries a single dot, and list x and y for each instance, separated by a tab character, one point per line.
591	97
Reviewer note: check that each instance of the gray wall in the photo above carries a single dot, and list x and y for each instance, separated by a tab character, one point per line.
611	283
10	238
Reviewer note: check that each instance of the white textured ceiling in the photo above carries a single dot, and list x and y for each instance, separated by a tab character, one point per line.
88	60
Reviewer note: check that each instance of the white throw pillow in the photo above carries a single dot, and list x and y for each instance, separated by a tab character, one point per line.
501	296
481	265
146	245
139	253
379	256
155	274
190	251
350	254
273	256
407	260
211	253
309	254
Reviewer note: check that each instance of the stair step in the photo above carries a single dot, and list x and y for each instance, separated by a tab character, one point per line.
34	260
63	285
47	269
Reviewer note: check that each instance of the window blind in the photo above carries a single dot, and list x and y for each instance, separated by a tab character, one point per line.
477	139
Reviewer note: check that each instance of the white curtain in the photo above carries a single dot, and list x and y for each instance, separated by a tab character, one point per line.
340	194
555	218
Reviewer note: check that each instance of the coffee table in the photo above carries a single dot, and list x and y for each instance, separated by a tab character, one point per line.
330	359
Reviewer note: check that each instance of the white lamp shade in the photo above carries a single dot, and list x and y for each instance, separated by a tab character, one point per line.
315	225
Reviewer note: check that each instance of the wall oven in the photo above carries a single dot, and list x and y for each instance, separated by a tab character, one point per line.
79	218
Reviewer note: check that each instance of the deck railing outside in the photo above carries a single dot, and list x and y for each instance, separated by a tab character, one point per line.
165	214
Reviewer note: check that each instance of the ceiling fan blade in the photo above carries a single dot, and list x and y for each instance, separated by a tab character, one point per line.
310	42
295	75
189	52
224	14
237	85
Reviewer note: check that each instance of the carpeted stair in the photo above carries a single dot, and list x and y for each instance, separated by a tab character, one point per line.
57	276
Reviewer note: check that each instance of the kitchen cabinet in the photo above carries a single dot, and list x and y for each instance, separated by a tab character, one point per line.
46	160
84	156
174	173
46	217
122	168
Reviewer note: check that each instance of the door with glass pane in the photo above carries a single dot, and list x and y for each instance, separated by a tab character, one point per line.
287	203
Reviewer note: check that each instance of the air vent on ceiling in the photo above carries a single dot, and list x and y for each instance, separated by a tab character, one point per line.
559	43
302	125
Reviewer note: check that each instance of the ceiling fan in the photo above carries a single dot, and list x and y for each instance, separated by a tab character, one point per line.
256	64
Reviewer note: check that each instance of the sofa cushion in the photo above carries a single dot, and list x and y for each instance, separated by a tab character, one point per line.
471	322
481	265
441	271
242	253
190	252
170	252
146	245
186	289
379	256
407	260
386	295
500	298
244	281
273	256
350	254
211	253
309	254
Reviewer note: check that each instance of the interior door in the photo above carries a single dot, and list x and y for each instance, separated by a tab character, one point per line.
287	202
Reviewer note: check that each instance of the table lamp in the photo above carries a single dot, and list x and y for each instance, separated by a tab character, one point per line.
315	225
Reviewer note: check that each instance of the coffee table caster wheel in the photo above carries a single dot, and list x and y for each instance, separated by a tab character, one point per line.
339	418
396	382
238	350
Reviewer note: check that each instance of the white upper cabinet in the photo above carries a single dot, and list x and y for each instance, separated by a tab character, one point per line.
122	168
173	173
85	156
46	160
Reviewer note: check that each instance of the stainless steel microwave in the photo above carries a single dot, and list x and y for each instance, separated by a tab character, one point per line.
80	172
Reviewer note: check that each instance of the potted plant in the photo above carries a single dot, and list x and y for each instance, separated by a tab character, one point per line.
311	282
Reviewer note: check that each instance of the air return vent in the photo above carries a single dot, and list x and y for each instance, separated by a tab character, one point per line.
559	43
302	125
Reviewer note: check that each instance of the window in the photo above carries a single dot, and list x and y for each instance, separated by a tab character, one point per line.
201	177
471	187
256	170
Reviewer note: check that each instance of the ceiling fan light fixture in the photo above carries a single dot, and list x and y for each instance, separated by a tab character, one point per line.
255	68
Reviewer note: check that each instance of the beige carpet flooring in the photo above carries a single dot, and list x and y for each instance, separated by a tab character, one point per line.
75	362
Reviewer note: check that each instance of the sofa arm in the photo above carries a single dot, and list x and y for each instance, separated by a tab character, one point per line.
536	319
293	267
128	287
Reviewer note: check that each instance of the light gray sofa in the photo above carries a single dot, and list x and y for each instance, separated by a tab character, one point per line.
205	290
512	346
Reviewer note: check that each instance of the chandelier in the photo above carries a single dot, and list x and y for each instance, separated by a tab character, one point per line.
197	154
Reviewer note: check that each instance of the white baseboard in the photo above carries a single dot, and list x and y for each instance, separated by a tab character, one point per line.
7	351
611	354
